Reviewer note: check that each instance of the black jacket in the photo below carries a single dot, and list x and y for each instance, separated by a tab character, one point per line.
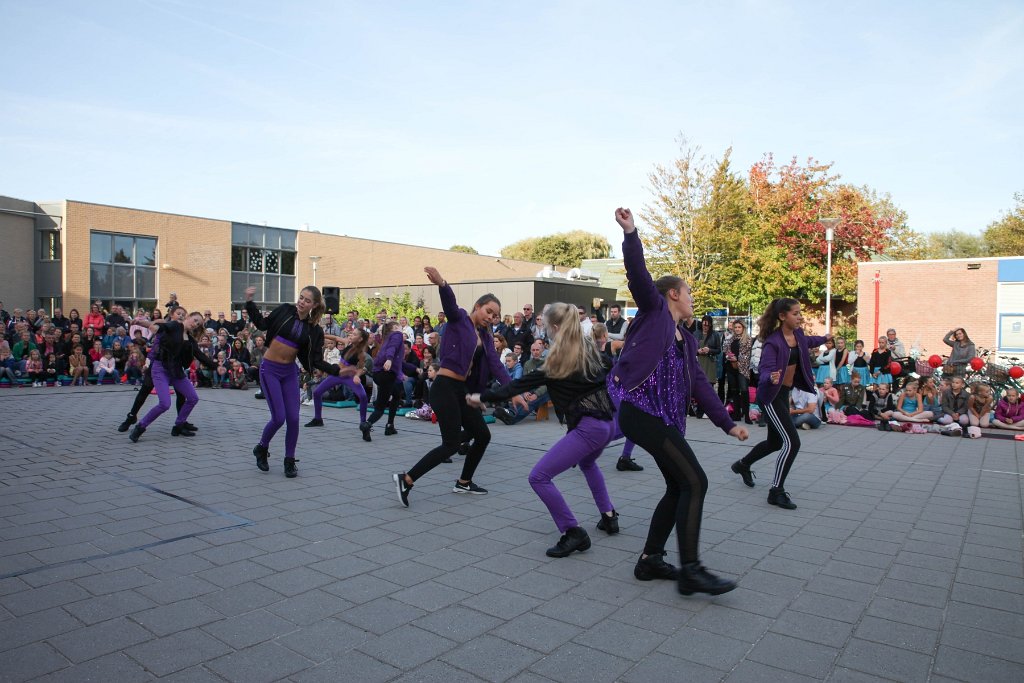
311	342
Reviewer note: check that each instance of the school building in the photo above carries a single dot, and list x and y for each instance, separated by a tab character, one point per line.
69	253
923	300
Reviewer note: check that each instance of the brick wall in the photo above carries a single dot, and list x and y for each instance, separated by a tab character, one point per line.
924	300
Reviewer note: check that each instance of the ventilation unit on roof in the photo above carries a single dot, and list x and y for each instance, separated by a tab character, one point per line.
973	266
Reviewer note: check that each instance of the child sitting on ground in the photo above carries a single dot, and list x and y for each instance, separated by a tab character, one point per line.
954	404
980	405
80	365
238	380
909	407
1010	411
881	404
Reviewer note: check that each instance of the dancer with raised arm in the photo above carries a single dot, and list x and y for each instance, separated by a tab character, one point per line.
353	355
654	379
387	377
190	351
166	369
468	364
575	377
293	333
785	363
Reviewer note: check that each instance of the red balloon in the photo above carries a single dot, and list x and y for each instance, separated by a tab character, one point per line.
1016	372
977	364
935	361
894	368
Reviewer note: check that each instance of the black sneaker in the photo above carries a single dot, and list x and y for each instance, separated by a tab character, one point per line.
128	422
261	454
883	426
365	428
504	415
468	487
694	578
464	447
628	465
290	470
778	496
573	540
189	426
609	525
136	433
402	488
315	422
179	430
258	395
390	430
743	469
655	567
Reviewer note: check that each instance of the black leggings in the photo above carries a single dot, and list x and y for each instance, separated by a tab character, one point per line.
782	437
686	485
144	391
389	394
448	401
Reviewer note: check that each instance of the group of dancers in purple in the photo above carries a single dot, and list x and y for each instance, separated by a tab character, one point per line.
643	396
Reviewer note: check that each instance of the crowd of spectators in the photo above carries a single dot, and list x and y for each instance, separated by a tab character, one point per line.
854	385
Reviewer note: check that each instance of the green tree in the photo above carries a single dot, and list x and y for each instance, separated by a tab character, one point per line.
462	248
566	249
696	221
1005	237
953	244
397	304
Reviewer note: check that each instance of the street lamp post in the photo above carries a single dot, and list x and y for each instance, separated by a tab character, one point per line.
829	224
314	259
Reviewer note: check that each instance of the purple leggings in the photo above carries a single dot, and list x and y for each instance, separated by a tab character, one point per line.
581	446
162	382
280	384
329	383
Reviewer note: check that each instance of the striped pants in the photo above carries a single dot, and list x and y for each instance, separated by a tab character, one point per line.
782	437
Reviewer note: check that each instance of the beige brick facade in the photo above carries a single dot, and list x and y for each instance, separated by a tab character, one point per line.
924	300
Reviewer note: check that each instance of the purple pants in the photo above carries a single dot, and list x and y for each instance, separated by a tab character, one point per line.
581	446
280	385
329	383
162	382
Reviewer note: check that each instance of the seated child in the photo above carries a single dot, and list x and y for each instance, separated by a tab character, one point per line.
80	365
954	404
34	368
107	367
238	379
804	409
881	404
909	407
980	404
852	400
1010	411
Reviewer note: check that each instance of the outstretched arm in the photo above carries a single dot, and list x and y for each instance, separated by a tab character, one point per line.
448	302
254	313
640	284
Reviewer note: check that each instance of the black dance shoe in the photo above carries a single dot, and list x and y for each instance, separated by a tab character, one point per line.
628	465
694	578
365	428
390	430
743	469
315	422
655	567
609	525
180	430
190	427
127	424
778	496
261	454
258	395
290	470
573	540
136	433
401	487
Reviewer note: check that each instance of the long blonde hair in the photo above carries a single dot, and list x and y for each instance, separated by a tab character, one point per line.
570	351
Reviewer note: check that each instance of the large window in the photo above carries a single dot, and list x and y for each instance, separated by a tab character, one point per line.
263	258
49	247
122	269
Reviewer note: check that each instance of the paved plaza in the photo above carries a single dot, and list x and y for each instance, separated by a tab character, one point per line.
177	559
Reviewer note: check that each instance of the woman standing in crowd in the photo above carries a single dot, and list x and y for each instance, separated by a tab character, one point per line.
879	363
166	370
842	363
963	350
469	363
353	355
709	346
785	363
654	379
574	375
859	363
293	333
826	361
737	369
388	377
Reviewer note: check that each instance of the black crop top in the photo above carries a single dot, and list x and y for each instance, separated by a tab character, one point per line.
794	355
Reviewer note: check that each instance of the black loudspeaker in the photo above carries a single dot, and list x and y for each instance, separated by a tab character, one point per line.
331	297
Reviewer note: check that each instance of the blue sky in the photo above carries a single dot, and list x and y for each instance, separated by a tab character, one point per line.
483	122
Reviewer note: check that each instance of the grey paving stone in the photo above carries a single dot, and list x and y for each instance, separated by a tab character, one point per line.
964	665
261	664
503	604
240	599
793	655
704	647
458	623
537	632
815	629
38	599
1008	646
249	629
438	672
179	616
885	661
753	672
622	640
381	615
559	665
177	652
112	667
901	635
407	646
492	659
29	662
106	637
354	666
662	667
